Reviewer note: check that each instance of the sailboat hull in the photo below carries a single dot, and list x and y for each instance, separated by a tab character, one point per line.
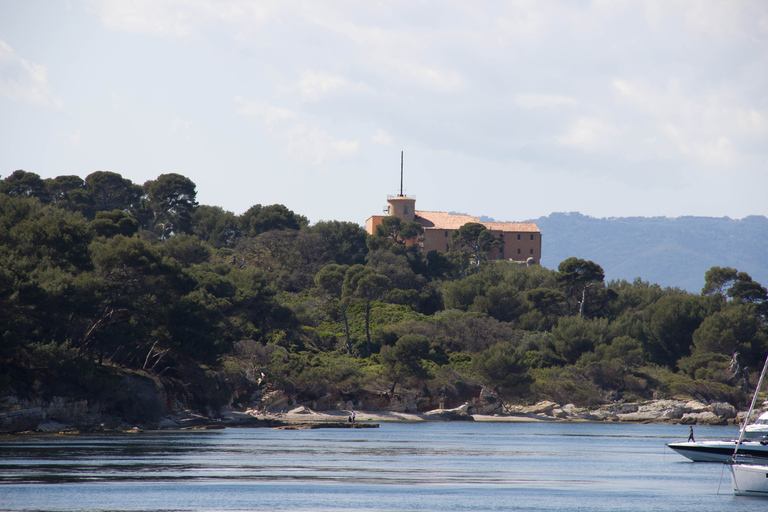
718	451
750	479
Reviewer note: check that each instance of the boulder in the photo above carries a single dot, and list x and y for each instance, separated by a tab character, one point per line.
722	410
702	418
449	415
543	407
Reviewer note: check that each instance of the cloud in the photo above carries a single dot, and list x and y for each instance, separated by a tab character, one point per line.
382	138
309	144
707	126
589	134
25	82
179	19
317	146
269	114
313	85
668	82
73	139
544	101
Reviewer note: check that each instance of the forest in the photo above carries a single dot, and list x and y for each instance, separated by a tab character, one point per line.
102	277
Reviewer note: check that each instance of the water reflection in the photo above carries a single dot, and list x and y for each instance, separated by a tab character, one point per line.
397	467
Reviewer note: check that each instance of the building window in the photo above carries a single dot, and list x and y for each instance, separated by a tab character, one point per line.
531	237
446	234
518	237
531	252
518	251
447	248
405	212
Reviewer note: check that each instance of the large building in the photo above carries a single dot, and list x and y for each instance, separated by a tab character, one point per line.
522	240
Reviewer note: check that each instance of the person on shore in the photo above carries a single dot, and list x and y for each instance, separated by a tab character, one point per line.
353	416
690	436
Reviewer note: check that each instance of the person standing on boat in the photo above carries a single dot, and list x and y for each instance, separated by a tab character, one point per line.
690	436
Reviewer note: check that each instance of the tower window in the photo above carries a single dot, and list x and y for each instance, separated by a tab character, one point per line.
531	237
518	237
405	212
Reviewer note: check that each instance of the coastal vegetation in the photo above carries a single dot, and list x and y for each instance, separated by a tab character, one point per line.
107	286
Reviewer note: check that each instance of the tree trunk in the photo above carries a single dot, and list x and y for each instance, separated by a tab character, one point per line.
367	328
346	329
583	300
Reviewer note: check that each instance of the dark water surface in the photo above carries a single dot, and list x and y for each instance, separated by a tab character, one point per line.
400	466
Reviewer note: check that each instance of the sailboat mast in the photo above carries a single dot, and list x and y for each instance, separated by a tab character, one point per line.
401	174
751	407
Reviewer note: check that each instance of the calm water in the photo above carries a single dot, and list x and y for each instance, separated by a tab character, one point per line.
398	467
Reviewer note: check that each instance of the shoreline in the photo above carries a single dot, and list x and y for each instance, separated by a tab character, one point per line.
675	412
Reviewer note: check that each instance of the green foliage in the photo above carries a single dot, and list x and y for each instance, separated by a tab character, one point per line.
471	244
503	367
260	219
669	324
346	241
186	249
214	225
116	222
170	201
707	366
24	184
582	283
405	359
83	292
575	336
735	329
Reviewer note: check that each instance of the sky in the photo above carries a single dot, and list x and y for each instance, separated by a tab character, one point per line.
507	109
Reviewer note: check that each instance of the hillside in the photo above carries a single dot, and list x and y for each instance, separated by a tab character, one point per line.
666	251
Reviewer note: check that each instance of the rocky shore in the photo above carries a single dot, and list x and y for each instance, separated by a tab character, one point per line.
277	410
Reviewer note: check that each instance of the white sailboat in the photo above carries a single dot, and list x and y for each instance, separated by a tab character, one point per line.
749	475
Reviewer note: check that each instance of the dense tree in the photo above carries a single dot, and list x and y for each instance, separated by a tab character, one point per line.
260	219
398	231
107	191
216	226
734	329
63	190
574	336
289	258
581	281
471	244
330	280
186	249
79	287
717	280
116	222
669	324
405	359
171	198
745	290
24	184
345	240
364	284
502	367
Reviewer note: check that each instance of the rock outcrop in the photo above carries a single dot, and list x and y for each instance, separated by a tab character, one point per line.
655	411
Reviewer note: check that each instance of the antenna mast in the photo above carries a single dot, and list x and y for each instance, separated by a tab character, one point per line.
401	174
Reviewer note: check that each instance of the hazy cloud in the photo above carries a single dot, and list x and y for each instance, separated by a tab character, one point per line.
24	81
310	144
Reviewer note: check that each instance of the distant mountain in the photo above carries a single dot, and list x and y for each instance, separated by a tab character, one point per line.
661	250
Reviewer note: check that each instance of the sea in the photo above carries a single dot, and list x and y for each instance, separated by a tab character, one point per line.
425	466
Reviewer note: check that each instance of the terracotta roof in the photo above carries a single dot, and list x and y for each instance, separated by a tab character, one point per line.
525	227
442	220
